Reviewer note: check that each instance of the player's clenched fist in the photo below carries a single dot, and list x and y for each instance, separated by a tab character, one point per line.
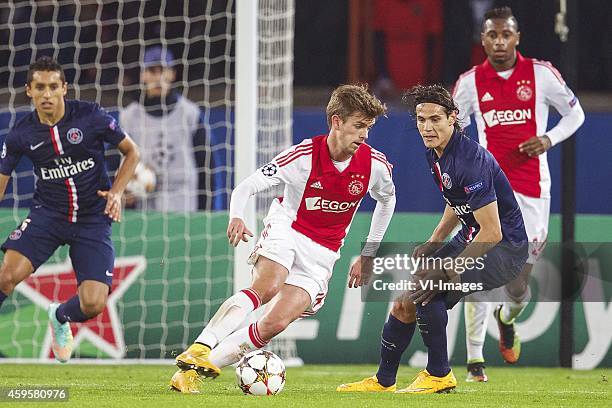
236	231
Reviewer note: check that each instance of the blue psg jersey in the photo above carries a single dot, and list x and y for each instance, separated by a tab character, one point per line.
68	158
469	178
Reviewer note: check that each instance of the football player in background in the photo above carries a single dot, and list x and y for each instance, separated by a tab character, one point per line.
74	202
510	96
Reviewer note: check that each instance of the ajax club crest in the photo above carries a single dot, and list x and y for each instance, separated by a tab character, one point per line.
355	187
524	91
74	136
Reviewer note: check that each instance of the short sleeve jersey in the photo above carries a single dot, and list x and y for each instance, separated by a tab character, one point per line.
68	158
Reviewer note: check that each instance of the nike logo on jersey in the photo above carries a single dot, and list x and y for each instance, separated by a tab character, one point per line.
36	146
109	274
486	97
317	184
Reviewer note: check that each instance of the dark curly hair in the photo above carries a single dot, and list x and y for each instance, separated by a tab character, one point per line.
431	94
45	64
502	13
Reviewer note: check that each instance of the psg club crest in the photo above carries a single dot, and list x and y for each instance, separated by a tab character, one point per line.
355	187
269	169
524	91
74	136
446	181
15	235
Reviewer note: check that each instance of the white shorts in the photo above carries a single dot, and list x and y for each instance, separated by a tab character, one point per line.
310	264
536	213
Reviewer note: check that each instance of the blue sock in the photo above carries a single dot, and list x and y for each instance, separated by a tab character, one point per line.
432	320
2	297
396	336
70	311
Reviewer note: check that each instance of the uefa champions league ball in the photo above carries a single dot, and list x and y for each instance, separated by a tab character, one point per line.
260	372
143	182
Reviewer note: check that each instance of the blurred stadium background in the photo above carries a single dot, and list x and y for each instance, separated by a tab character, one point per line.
261	72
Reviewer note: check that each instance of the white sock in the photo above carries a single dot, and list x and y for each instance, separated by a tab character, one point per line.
229	317
476	314
233	347
512	308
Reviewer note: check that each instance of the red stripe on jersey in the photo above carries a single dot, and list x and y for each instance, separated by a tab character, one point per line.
382	157
437	169
470	237
70	201
386	163
293	158
297	149
54	142
293	154
460	79
379	154
550	66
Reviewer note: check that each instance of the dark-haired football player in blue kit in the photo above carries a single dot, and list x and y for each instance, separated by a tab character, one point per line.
74	202
492	241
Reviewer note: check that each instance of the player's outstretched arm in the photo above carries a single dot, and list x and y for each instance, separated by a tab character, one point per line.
255	183
131	155
4	179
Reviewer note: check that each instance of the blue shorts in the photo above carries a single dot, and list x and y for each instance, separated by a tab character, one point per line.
91	248
502	264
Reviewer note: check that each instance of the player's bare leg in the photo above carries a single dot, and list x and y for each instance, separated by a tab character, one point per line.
268	279
518	294
92	297
15	268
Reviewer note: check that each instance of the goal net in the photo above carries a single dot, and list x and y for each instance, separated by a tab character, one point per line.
173	265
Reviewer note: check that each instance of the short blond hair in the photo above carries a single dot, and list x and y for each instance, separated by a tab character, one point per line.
347	100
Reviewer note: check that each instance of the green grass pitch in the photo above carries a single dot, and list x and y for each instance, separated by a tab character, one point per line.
312	385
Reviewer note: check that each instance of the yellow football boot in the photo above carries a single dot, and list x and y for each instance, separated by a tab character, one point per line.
186	382
196	358
425	383
369	384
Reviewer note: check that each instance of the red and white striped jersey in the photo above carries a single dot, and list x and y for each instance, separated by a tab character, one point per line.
318	198
512	106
